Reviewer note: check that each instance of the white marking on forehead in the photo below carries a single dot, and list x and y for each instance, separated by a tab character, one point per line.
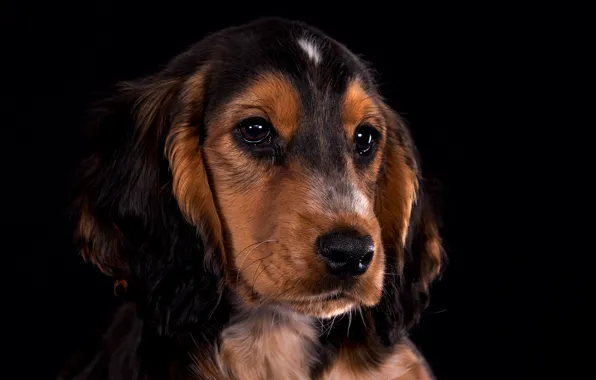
310	48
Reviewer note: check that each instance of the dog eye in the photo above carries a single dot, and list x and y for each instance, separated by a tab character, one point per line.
255	130
364	139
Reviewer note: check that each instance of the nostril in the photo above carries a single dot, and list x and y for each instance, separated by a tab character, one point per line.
367	258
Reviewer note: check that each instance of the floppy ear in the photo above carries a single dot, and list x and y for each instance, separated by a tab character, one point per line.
410	235
144	210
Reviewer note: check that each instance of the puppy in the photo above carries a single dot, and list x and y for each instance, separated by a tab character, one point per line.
261	209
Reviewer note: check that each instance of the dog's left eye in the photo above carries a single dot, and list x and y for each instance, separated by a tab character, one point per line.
255	130
364	139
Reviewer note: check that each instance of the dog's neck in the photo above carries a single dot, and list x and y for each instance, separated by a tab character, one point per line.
268	342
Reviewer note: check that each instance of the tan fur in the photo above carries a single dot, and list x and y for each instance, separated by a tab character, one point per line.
404	364
189	177
358	107
206	365
397	190
87	231
397	195
100	244
268	343
270	95
149	107
96	249
433	251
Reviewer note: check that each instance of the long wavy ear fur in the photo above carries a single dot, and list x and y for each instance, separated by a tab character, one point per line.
141	215
411	237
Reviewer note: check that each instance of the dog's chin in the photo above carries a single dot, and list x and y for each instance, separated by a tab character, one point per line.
333	301
324	306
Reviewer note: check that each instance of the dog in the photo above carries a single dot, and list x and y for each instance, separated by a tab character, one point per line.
262	212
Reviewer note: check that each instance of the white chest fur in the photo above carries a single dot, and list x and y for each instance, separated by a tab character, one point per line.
268	343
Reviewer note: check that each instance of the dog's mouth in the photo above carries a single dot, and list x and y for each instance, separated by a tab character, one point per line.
321	297
324	305
324	297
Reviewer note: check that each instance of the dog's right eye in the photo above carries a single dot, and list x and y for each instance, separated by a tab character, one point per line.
255	130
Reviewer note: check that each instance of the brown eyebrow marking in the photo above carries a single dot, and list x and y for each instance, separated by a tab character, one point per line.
271	95
358	107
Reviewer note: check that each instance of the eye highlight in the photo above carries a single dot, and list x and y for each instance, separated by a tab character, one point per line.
255	130
365	139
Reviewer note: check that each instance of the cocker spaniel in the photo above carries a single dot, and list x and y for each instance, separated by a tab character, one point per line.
261	210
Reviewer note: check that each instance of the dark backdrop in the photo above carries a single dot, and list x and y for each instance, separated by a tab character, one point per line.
443	68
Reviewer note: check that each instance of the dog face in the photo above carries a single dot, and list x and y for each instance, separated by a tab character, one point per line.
295	189
298	180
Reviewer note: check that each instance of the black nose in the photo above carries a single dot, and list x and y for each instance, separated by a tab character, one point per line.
346	253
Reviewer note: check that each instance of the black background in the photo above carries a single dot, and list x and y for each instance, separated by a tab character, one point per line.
456	75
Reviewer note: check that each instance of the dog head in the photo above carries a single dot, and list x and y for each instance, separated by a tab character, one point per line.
262	163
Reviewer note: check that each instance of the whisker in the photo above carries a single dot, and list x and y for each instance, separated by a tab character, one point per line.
275	311
318	325
289	289
362	316
252	245
221	292
254	280
435	312
194	340
254	261
331	326
262	261
349	322
322	325
281	292
248	253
